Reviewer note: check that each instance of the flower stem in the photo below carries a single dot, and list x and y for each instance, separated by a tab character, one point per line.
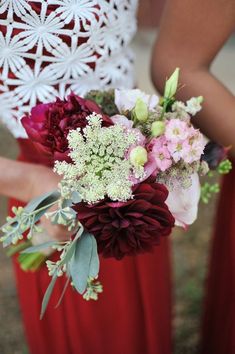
32	261
21	246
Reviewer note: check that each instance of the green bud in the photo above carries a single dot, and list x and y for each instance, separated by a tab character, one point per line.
200	99
172	84
141	110
224	167
158	128
138	156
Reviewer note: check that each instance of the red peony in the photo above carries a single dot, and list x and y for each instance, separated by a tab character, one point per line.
49	124
131	227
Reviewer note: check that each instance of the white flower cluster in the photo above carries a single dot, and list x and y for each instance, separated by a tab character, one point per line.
192	107
59	267
94	288
100	164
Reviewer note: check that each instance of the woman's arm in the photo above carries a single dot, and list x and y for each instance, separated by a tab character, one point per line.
191	34
24	181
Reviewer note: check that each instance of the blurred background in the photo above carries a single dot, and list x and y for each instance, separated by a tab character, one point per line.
189	249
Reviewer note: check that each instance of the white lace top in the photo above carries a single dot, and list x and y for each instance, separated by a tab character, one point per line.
48	48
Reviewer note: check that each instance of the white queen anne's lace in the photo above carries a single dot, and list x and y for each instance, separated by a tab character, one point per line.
100	165
48	48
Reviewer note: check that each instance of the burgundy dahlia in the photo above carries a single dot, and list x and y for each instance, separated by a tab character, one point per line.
49	124
131	227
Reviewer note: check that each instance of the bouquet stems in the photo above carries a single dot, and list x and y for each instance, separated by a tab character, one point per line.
31	261
28	261
21	246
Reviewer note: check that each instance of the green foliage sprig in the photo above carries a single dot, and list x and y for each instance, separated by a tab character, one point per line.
209	189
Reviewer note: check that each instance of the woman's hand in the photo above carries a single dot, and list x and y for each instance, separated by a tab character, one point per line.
44	180
24	181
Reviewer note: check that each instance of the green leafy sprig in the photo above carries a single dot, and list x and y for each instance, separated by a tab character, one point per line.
80	261
25	219
209	189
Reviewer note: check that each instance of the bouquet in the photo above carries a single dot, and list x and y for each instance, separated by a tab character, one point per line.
129	165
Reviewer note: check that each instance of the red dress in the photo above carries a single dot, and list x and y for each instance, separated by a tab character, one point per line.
219	317
132	315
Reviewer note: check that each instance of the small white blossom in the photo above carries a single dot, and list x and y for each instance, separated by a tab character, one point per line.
180	111
126	99
194	105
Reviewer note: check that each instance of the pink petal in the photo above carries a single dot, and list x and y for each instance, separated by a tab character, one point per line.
122	120
183	203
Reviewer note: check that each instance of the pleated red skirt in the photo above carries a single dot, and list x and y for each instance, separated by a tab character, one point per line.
132	316
218	335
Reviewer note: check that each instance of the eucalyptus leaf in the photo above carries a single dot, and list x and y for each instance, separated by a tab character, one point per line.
63	292
23	222
71	249
38	248
15	231
79	266
42	201
67	203
63	216
76	198
95	262
47	295
69	254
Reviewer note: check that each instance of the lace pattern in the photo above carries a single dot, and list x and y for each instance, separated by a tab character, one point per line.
48	48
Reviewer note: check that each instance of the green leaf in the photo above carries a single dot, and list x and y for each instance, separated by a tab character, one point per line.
42	201
63	292
71	249
66	203
95	262
76	198
79	266
47	295
29	216
172	84
38	248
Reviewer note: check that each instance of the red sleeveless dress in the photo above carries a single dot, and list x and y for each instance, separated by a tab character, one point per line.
132	315
218	335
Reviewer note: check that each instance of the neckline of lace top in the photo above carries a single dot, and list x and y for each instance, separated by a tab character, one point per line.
50	48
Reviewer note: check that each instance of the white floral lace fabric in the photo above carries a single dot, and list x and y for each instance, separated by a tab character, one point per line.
50	48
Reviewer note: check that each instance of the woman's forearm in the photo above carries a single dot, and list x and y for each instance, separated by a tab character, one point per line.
15	179
24	181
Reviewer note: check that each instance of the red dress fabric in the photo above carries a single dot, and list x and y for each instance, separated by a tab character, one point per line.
132	315
219	317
